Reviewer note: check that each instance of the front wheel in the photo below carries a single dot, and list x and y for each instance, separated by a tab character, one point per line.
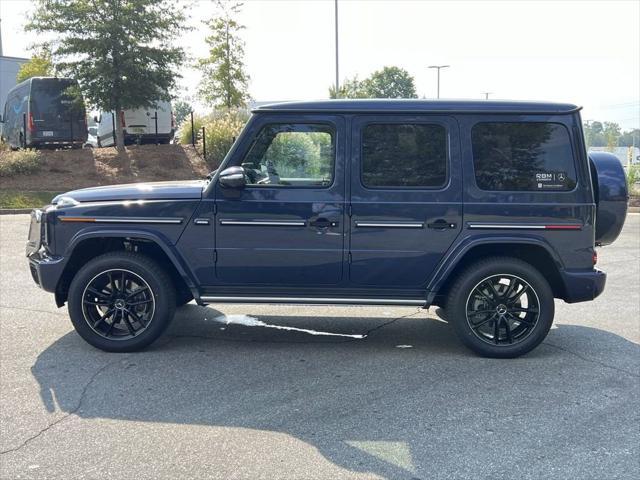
501	307
121	301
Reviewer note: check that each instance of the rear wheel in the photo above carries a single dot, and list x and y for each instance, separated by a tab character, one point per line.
121	301
501	307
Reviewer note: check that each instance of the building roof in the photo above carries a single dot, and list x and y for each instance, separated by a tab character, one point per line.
419	106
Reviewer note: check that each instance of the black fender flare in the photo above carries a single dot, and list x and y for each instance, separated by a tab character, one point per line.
457	253
160	240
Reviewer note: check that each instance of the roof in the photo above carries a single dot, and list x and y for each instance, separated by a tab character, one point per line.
419	106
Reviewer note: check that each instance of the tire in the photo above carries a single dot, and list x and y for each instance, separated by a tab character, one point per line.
142	305
493	291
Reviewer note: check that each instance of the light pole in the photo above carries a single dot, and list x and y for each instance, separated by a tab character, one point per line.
486	95
337	74
439	67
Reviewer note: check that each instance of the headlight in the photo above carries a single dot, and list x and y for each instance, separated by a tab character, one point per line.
66	202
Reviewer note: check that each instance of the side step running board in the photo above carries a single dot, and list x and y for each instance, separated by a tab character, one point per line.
315	301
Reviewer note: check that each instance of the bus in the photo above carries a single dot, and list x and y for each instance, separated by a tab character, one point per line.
44	112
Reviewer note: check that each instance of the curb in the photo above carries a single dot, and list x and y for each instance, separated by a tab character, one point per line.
14	211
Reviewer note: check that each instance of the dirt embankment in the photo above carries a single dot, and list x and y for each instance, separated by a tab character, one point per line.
64	170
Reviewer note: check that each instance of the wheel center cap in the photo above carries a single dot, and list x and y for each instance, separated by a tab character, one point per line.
501	309
119	304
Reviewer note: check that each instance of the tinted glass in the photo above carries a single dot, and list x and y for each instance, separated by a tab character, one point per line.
291	155
532	156
55	100
404	155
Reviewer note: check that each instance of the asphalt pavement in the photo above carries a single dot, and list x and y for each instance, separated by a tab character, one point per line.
260	391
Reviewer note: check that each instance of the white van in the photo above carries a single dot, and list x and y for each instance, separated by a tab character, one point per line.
139	125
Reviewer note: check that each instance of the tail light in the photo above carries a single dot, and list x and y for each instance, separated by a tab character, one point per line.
594	257
31	126
124	124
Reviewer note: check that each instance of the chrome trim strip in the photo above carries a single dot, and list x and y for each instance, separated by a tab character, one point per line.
312	300
390	225
506	226
173	221
524	226
201	221
264	223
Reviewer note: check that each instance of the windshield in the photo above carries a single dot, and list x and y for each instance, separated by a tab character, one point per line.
55	99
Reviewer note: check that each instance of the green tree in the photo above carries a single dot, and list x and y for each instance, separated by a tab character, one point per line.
120	51
390	82
594	134
39	65
611	134
181	110
350	88
224	80
630	138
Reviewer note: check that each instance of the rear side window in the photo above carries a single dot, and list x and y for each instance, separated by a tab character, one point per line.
404	155
523	156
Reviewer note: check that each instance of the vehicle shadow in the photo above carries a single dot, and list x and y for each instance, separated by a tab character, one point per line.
407	401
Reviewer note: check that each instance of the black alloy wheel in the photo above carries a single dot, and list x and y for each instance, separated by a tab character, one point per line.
121	301
502	309
118	304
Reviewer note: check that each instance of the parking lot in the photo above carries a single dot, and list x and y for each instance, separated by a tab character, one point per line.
254	391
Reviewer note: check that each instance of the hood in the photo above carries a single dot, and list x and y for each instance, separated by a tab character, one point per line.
187	189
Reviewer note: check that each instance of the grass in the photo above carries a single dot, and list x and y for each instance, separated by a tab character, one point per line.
16	199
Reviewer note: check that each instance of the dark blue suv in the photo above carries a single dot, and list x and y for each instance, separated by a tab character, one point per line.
489	210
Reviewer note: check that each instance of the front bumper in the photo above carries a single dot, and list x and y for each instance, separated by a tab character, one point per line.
583	286
46	270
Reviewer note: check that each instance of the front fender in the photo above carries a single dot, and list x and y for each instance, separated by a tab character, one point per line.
158	238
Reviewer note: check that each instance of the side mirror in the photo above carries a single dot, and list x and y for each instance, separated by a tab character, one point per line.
232	177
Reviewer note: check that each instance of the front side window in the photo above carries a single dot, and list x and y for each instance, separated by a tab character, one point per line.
523	156
404	155
294	155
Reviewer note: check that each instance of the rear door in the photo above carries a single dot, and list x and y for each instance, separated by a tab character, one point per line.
406	198
163	112
286	227
136	121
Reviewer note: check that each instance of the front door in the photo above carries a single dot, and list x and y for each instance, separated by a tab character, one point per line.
406	198
286	226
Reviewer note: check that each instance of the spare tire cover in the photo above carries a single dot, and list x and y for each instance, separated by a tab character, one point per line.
611	195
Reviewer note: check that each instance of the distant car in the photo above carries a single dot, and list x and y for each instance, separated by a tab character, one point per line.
44	111
92	137
490	210
141	125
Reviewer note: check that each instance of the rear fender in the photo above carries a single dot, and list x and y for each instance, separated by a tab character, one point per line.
448	265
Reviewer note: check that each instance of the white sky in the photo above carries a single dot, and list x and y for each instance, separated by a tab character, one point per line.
585	52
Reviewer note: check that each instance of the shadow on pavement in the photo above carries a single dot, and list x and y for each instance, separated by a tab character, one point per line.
406	402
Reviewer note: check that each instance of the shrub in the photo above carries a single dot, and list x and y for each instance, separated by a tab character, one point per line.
221	129
633	179
20	162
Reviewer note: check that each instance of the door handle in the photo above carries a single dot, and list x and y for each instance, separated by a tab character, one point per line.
441	224
323	223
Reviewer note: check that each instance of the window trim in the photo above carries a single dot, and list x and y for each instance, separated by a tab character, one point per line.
334	141
571	145
397	121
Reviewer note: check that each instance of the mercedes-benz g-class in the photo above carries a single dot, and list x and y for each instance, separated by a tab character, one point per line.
490	210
